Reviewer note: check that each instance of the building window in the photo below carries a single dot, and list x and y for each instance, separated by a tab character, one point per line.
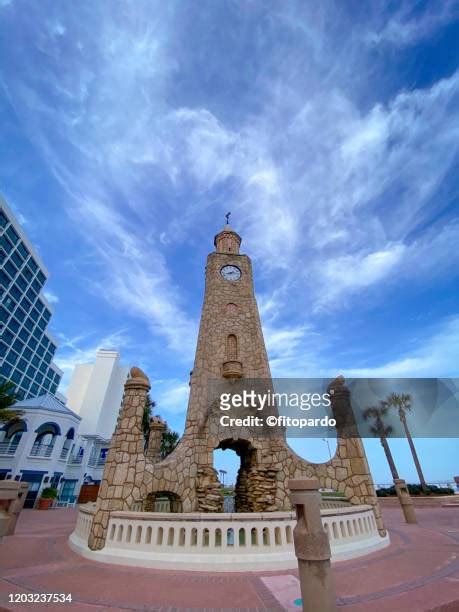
9	303
16	376
10	269
23	333
5	370
26	304
7	336
14	326
4	280
31	294
29	324
6	244
27	354
27	274
17	259
3	219
22	249
12	357
22	365
18	345
12	234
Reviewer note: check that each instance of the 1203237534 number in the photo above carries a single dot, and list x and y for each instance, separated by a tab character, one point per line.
39	598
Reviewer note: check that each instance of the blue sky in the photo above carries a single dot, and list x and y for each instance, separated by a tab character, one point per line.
329	130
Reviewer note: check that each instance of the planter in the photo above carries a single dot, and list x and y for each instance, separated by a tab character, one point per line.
45	503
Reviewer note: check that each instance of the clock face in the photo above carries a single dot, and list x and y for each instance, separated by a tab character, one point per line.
231	273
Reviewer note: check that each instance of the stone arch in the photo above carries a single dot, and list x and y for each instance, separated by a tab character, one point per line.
162	501
248	494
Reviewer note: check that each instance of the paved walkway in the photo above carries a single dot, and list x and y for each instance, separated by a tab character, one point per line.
419	571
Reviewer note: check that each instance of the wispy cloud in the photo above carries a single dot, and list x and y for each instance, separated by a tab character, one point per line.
337	183
408	27
51	296
82	349
435	356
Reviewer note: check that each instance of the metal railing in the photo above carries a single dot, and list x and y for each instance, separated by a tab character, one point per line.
96	462
6	448
75	459
41	450
64	453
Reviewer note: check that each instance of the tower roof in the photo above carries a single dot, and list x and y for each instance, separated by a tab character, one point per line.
227	240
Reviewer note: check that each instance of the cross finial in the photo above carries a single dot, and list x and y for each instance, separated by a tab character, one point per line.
227	218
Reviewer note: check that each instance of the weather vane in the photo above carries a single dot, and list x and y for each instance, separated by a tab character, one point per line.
227	218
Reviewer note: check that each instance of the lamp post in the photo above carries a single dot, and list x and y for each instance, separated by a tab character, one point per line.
328	446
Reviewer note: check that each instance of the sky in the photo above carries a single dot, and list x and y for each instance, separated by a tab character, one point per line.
328	129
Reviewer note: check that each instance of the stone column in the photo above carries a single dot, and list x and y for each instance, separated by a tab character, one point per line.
352	452
405	500
312	548
157	428
125	464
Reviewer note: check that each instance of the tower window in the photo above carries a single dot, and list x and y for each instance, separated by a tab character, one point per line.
231	348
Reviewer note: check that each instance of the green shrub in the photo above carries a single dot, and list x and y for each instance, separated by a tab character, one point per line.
49	493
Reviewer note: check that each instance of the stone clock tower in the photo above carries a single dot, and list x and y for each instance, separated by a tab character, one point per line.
230	348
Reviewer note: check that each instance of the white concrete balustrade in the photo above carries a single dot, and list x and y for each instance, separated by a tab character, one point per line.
222	542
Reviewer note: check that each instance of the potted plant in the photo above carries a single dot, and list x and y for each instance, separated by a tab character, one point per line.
47	497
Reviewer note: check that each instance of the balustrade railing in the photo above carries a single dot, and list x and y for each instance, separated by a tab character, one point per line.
7	448
75	459
223	542
41	450
96	462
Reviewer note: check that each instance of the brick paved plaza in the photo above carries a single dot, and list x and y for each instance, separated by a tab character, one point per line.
419	571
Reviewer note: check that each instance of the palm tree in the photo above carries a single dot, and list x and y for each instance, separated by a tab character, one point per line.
170	438
402	402
169	441
382	431
8	398
146	416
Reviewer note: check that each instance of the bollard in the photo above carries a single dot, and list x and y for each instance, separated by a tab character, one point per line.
405	500
312	548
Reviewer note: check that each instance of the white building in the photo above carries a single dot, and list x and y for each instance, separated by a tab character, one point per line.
52	445
95	392
36	448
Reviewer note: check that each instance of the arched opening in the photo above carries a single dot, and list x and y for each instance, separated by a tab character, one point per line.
238	494
67	443
45	440
10	436
162	501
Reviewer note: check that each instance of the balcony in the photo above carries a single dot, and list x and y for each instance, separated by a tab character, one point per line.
64	453
75	460
232	369
96	462
6	448
41	450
